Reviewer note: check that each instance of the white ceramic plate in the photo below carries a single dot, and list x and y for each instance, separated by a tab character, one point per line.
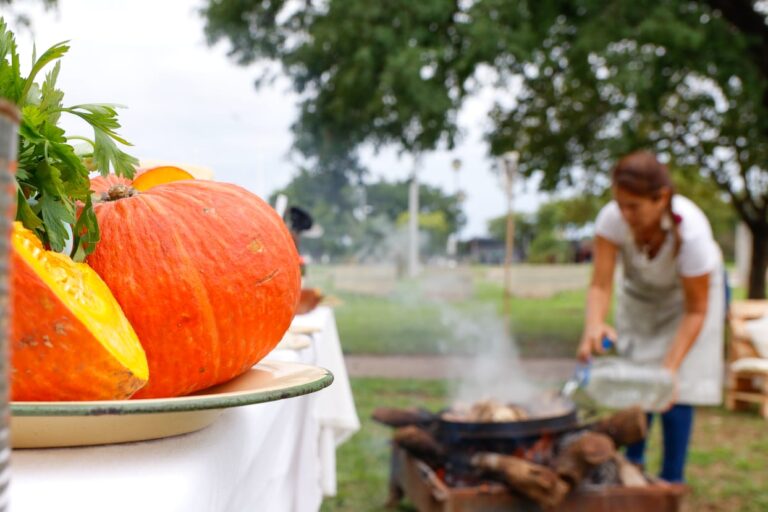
292	341
304	329
56	424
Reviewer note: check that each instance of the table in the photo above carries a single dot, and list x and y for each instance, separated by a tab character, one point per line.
334	407
277	456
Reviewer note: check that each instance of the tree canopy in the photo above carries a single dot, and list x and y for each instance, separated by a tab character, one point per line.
598	78
355	219
542	235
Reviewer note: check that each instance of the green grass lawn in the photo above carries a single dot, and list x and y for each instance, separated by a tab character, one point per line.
542	326
408	321
386	325
380	325
727	470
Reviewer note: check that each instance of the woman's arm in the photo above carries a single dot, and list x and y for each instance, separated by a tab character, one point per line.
598	299
696	290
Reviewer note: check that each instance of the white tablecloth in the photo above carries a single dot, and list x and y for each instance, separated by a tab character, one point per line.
273	457
334	407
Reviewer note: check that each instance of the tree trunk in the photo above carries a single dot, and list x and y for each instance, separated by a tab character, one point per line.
759	260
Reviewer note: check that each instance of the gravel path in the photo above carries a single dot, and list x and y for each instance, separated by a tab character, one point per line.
444	367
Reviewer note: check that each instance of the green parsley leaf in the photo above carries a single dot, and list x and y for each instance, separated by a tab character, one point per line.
24	213
56	214
48	178
103	118
11	82
51	176
53	53
86	231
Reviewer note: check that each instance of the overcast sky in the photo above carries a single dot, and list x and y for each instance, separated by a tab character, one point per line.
189	103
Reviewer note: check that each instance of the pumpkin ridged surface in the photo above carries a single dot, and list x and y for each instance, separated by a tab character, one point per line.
70	340
208	275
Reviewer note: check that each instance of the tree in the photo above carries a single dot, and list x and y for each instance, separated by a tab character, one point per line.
391	200
20	19
540	235
723	218
688	79
331	201
542	232
525	231
356	218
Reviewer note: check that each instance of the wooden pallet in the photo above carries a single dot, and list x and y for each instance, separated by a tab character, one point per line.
745	389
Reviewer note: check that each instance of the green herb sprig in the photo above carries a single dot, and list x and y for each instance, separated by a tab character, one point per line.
53	187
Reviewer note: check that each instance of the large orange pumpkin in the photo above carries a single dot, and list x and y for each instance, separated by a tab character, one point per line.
70	340
206	272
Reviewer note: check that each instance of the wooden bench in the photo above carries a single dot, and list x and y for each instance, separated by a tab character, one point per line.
745	388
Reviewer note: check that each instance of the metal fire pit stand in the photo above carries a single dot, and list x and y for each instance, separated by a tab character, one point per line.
415	480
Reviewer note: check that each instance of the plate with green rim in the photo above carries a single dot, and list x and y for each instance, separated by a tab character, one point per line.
59	424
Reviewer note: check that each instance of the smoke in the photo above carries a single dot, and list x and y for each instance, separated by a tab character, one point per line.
493	369
383	241
482	357
491	366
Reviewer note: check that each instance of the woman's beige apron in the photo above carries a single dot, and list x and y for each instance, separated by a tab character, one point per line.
649	309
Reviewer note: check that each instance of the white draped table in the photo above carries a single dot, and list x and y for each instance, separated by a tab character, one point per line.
272	457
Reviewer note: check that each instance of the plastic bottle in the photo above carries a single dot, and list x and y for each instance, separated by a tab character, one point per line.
581	374
616	383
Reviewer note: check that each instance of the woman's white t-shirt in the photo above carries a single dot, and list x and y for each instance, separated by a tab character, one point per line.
698	254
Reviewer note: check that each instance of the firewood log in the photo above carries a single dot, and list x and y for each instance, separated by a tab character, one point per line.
629	474
419	443
586	451
395	417
606	474
624	427
539	483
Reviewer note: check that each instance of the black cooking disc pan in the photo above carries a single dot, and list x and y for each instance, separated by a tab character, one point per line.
453	431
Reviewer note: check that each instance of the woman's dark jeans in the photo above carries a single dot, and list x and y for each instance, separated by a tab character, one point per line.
677	424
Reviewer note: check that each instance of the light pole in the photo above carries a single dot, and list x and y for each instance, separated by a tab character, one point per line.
413	220
509	162
453	238
456	166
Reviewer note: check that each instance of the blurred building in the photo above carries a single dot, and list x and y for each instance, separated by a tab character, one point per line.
484	251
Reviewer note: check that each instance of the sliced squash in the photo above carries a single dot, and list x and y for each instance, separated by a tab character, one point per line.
158	176
69	338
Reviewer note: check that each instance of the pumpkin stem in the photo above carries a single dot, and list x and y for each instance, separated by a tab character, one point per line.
119	191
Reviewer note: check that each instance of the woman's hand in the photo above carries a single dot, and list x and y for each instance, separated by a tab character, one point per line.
672	400
598	299
592	341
